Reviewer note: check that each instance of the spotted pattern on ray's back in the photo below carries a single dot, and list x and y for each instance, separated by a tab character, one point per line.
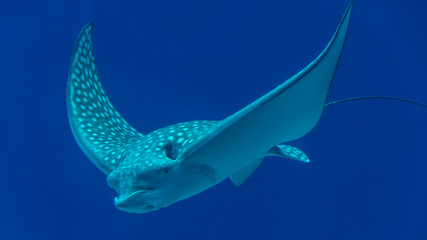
178	136
161	148
99	129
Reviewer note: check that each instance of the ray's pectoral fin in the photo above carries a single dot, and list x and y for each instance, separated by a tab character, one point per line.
103	135
286	113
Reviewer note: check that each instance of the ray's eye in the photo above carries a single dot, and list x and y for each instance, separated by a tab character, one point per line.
169	151
166	170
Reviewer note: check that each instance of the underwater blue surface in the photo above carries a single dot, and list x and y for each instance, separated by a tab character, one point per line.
163	62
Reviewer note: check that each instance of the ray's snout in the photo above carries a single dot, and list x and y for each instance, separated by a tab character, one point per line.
135	202
125	176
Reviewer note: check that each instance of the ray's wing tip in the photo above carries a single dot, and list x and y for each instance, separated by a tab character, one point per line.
86	32
350	7
88	28
85	35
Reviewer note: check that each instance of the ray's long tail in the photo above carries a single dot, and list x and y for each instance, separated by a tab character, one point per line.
374	97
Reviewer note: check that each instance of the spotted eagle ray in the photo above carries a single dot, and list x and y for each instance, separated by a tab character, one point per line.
153	171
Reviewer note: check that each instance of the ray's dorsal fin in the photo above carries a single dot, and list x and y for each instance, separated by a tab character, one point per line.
99	129
286	151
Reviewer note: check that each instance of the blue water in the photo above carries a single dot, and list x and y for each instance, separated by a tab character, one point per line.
163	62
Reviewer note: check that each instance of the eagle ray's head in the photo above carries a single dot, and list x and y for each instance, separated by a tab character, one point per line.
152	176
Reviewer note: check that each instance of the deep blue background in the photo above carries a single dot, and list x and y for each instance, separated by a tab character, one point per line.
163	62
